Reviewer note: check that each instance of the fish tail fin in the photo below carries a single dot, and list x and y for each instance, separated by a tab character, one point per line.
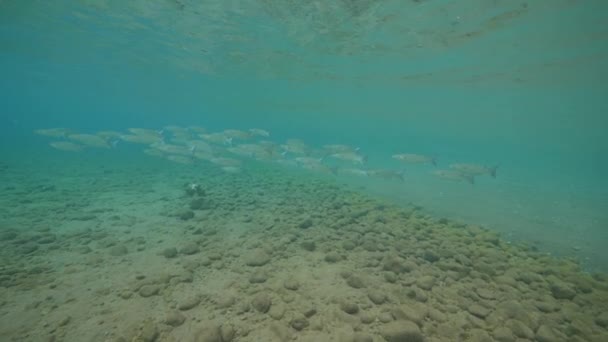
326	154
434	161
469	178
401	175
493	170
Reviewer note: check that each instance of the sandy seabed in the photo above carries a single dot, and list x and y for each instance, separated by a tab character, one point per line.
127	254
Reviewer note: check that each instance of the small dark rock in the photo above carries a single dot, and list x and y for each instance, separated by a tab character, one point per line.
309	245
170	252
6	236
349	308
186	215
562	291
390	277
83	249
119	250
305	224
355	282
291	284
189	249
199	204
333	257
362	338
430	256
28	248
299	323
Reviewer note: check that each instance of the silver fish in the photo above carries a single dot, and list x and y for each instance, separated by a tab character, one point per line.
53	132
259	132
89	140
415	158
338	148
475	169
66	146
217	138
355	172
454	175
387	174
352	157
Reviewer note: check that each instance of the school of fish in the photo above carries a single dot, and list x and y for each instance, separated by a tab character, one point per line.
228	150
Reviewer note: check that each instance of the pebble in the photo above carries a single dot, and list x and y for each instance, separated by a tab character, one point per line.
485	293
277	311
426	282
186	215
291	284
359	337
355	282
562	291
6	236
65	321
377	297
478	310
149	290
430	256
258	257
189	249
349	308
299	323
175	319
333	257
28	248
520	329
258	277
401	331
261	302
367	318
309	245
227	332
546	334
307	223
208	332
503	334
119	250
189	303
398	265
225	301
385	317
170	252
46	239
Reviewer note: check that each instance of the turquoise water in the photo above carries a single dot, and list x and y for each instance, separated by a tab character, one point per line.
515	84
518	84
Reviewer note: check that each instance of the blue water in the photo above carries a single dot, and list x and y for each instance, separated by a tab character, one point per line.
520	85
104	243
